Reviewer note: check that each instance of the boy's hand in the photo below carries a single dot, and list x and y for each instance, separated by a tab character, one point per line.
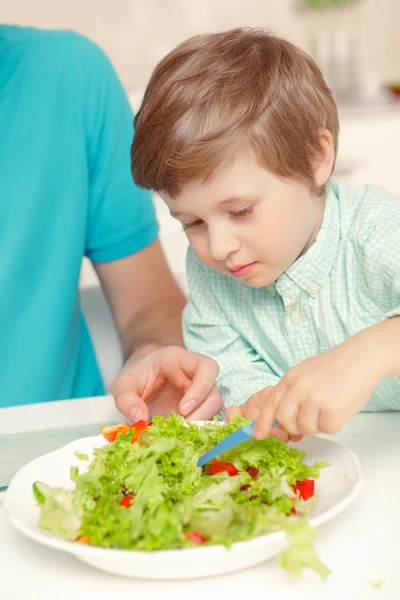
320	394
252	409
165	380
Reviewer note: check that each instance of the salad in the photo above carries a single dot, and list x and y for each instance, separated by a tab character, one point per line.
144	491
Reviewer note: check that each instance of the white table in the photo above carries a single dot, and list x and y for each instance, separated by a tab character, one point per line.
361	546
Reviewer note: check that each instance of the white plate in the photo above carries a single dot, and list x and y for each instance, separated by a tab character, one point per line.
336	488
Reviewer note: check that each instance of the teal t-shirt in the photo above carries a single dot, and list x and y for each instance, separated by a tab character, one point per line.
66	192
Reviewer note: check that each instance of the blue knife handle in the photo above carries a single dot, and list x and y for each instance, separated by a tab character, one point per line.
232	440
248	429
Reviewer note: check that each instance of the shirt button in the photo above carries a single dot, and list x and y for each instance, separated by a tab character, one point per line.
296	316
314	288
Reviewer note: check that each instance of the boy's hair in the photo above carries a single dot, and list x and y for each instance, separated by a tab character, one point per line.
218	93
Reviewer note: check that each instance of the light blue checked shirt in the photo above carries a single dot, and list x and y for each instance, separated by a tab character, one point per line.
348	280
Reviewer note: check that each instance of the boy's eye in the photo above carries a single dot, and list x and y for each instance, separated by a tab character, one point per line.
243	212
191	225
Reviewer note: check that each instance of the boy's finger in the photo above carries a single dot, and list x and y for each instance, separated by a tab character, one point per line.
265	421
287	415
328	424
308	419
251	411
296	438
258	399
280	433
284	435
232	410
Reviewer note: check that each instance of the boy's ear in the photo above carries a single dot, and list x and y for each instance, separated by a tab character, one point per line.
325	159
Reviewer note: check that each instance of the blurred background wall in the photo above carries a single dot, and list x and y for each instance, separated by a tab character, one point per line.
136	33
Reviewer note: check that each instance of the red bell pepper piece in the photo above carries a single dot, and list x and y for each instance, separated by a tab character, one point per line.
293	511
82	540
110	433
219	466
305	488
253	472
127	500
195	537
139	427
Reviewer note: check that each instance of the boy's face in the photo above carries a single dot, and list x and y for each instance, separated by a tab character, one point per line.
246	222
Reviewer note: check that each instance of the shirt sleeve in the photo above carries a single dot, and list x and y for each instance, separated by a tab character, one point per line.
382	264
206	330
121	218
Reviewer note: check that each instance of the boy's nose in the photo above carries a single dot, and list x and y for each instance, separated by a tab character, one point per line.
222	244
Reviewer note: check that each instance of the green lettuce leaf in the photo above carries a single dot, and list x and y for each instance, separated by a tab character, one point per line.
301	552
60	514
81	456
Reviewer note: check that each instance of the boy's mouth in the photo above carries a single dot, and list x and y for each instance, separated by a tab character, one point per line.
242	270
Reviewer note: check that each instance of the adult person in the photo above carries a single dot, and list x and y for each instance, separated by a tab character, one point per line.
67	192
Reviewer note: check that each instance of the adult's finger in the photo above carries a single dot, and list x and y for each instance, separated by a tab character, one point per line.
207	409
204	371
128	402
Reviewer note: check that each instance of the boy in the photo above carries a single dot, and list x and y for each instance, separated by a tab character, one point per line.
294	280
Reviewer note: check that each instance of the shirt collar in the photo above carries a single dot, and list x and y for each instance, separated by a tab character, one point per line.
311	270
